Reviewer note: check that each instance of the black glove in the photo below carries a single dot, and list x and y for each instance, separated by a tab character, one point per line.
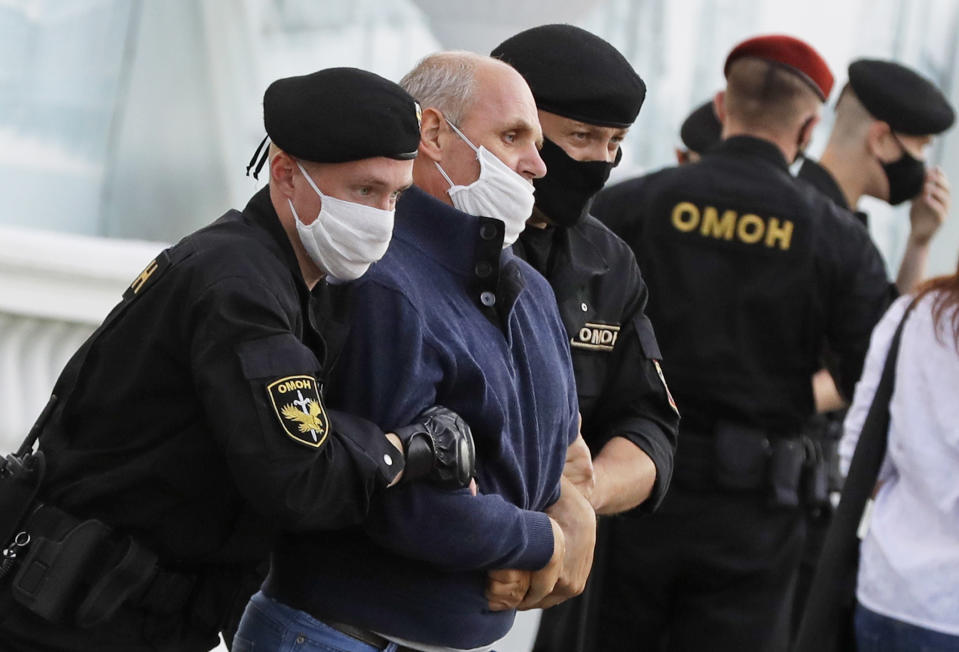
439	447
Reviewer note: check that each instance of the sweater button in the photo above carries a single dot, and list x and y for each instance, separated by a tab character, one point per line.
488	299
300	640
483	269
488	231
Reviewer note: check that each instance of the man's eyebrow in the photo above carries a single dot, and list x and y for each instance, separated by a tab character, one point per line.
523	127
370	181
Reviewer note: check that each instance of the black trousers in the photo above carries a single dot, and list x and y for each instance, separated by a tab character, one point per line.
709	571
129	631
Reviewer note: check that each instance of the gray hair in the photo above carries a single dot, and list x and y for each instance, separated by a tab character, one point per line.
445	81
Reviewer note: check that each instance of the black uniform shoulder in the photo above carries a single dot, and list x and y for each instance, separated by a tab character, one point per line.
236	247
612	248
616	205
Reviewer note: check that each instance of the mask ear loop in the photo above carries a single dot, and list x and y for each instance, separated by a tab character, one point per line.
310	181
465	140
461	135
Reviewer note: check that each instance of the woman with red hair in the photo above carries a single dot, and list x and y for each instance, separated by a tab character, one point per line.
908	585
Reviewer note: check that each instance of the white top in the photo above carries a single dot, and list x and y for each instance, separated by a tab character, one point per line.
909	564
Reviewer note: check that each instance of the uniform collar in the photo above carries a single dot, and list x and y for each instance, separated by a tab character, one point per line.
573	255
261	212
823	181
750	145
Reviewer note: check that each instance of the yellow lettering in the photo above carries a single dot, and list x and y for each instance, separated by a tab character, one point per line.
718	228
750	228
776	232
685	216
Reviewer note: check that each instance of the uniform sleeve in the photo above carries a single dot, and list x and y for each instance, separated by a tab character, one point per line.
860	295
389	372
636	402
259	386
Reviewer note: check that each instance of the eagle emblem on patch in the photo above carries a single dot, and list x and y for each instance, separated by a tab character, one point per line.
297	404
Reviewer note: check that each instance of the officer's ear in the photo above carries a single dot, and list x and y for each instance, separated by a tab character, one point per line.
805	131
719	106
281	172
430	129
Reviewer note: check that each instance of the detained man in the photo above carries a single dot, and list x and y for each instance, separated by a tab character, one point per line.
451	315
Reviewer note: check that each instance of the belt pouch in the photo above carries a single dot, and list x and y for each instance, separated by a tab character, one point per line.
742	456
56	565
815	473
784	472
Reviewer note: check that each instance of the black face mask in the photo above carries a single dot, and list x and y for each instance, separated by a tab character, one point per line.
564	193
906	176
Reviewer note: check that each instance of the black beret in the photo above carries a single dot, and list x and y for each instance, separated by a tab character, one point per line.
907	101
701	129
341	114
575	74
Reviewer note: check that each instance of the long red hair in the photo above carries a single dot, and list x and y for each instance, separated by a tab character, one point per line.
947	290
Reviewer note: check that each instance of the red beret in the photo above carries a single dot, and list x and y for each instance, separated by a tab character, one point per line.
798	56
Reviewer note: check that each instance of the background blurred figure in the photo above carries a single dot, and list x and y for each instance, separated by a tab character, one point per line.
701	130
909	564
886	118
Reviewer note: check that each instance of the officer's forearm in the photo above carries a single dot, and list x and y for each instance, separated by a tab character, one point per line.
624	474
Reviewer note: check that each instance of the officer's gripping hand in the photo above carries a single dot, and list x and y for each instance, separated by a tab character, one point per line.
577	520
439	447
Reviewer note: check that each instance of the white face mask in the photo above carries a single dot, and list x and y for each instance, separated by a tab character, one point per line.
498	192
346	237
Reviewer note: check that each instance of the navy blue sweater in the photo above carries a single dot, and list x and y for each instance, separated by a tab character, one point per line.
446	317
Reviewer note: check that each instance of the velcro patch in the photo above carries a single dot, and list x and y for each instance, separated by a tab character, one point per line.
297	403
596	337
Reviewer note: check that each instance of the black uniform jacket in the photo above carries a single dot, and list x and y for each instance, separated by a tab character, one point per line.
749	271
602	298
192	419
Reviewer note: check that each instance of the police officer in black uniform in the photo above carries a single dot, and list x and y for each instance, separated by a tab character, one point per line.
749	270
191	425
587	96
700	130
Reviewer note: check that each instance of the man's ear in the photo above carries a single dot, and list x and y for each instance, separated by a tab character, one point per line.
431	127
719	106
877	140
282	168
805	132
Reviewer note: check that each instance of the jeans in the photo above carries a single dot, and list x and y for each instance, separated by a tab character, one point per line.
270	626
877	633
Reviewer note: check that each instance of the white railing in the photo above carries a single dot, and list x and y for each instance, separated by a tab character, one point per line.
54	290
